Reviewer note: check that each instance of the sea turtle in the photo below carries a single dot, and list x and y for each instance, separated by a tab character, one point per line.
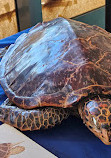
60	67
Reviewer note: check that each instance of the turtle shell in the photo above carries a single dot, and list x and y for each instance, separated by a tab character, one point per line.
56	64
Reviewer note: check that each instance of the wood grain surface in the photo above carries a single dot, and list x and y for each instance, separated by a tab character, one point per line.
8	22
68	8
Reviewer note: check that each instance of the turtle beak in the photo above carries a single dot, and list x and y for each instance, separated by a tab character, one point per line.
106	136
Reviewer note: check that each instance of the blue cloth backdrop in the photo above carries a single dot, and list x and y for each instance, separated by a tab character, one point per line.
71	139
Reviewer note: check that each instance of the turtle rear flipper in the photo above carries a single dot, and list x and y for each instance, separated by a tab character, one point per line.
35	119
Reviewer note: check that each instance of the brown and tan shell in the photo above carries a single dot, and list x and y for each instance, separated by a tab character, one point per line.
56	64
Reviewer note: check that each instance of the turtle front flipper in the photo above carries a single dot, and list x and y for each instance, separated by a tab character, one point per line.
3	51
96	114
36	119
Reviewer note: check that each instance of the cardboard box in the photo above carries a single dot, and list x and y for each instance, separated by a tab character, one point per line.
69	8
8	21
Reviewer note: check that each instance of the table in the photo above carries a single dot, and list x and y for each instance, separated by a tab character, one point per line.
71	139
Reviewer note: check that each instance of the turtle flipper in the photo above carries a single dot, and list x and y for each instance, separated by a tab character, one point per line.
36	119
3	51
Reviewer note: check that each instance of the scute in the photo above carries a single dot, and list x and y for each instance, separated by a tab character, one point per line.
56	64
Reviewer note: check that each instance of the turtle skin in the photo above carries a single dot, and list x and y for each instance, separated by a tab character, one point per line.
34	119
47	73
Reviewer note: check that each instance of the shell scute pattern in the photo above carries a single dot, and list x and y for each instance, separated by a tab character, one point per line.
47	79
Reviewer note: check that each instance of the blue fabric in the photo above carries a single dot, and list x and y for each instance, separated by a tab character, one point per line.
11	39
71	139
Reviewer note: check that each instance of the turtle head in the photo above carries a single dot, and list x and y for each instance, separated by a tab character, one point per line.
96	115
